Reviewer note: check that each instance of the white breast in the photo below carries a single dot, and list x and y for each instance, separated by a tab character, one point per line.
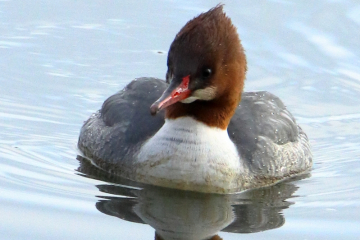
189	154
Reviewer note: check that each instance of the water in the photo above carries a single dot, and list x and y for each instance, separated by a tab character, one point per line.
61	59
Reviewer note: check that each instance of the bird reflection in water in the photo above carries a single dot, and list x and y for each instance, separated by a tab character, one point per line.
176	214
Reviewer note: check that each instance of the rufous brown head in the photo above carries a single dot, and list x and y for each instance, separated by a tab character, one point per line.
206	68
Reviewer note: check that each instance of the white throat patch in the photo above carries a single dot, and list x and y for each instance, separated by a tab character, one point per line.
206	94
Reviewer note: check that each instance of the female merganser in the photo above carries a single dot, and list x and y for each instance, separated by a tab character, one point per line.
209	141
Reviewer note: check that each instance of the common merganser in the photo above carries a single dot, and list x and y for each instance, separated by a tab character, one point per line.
213	136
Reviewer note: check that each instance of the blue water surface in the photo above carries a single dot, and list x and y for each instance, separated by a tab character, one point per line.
61	59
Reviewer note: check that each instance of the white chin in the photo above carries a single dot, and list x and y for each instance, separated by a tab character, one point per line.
189	100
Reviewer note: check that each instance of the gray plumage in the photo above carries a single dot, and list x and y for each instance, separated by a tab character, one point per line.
266	135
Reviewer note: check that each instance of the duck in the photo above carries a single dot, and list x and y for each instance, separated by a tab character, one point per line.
198	130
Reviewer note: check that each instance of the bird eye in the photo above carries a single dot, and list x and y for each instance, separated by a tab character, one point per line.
206	73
